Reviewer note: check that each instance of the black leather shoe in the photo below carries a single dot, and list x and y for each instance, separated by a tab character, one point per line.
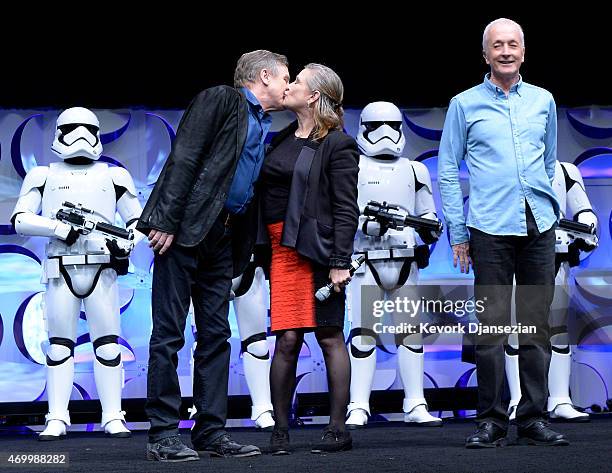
224	446
486	436
538	433
333	441
279	442
170	449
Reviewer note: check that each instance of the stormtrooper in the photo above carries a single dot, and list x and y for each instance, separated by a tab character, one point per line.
575	205
77	199
393	257
251	308
250	297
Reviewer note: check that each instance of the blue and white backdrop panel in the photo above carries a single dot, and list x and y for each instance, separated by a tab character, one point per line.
140	140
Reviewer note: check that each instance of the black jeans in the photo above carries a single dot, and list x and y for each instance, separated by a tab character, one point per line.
531	261
203	274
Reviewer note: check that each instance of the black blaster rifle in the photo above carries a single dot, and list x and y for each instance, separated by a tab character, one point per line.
577	229
79	217
389	216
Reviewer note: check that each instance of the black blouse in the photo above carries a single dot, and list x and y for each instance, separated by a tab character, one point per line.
275	178
321	213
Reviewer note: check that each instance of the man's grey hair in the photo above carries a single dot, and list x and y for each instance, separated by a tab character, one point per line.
495	22
250	65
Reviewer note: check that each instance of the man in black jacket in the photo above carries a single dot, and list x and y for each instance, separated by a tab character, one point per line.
200	200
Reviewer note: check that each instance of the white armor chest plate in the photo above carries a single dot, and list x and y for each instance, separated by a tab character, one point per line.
91	186
390	181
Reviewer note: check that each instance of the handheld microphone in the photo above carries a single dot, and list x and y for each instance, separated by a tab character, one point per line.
323	293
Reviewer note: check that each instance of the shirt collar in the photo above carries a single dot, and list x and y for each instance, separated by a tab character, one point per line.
253	102
498	91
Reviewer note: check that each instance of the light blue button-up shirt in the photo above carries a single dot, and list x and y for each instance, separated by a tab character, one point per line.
509	144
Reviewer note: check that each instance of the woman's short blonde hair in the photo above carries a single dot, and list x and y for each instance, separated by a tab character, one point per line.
328	112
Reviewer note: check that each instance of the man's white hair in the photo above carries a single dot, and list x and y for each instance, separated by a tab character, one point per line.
501	20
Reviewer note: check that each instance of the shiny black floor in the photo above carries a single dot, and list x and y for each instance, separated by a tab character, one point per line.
380	447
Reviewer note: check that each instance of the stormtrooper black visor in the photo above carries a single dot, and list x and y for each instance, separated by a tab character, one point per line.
371	126
65	129
70	134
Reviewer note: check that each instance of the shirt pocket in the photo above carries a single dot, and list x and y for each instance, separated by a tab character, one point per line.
536	130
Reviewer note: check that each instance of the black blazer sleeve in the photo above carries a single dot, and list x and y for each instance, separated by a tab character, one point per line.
195	135
343	171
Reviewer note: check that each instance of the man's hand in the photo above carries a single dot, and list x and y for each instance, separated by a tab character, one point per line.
160	241
461	253
339	278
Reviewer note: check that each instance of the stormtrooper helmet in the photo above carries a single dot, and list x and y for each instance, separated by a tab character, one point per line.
77	135
380	130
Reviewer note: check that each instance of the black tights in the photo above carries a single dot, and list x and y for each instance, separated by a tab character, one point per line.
284	366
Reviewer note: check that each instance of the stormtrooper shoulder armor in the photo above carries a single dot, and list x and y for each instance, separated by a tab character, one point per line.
30	201
421	174
572	175
122	178
35	178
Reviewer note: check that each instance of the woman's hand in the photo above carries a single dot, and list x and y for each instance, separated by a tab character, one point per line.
340	278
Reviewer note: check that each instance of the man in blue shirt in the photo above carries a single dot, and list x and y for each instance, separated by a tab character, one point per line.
506	130
251	159
198	222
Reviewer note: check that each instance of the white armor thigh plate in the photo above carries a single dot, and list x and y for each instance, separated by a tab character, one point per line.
61	310
361	278
89	185
391	181
561	299
102	306
251	308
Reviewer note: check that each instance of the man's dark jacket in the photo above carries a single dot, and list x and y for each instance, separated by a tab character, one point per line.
192	188
322	212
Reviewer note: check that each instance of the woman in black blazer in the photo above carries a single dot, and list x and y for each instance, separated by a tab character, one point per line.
308	205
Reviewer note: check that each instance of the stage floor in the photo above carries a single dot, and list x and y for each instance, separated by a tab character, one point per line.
389	446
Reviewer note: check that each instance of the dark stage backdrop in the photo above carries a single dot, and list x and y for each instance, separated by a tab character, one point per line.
414	58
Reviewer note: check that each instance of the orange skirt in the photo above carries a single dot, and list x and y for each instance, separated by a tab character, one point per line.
292	289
